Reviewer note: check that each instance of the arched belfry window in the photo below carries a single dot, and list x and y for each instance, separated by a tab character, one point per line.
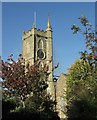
40	44
41	64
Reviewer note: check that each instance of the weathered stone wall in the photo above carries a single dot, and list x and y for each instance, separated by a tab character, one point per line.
30	47
61	93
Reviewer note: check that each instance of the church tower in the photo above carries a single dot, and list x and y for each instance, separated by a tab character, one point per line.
37	45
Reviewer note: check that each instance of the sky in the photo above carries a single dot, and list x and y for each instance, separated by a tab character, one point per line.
19	16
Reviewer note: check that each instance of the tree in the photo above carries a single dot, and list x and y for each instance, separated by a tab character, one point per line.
82	76
81	91
28	84
90	37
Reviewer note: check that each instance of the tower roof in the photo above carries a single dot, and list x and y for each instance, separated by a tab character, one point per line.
48	25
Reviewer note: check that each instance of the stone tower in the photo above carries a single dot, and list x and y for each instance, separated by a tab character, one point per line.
37	45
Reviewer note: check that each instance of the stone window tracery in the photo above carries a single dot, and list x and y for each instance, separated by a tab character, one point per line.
40	44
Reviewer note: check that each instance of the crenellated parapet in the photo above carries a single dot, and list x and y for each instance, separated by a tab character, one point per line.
26	34
40	33
35	31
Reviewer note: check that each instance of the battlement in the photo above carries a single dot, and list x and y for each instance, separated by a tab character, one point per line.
40	32
35	31
26	34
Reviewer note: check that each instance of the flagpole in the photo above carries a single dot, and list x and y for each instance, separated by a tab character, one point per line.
35	19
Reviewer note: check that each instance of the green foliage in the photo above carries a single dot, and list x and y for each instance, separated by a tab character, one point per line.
82	77
90	37
81	90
